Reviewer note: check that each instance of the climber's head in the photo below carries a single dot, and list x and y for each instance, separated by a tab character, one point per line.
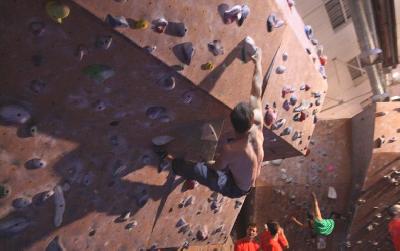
395	210
273	227
242	117
251	231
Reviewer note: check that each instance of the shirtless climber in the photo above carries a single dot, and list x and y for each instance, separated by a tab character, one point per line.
316	223
238	165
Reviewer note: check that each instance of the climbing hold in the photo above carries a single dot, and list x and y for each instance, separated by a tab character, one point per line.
187	97
321	243
276	162
181	222
323	60
123	217
380	141
14	114
167	83
117	22
286	131
207	66
20	203
318	102
380	114
99	105
322	71
98	72
187	52
296	135
103	42
155	112
270	116
88	179
305	87
278	124
131	225
5	191
208	133
309	31
37	28
55	245
81	51
37	86
308	50
392	140
216	48
332	193
285	56
237	13
303	106
150	49
271	22
280	69
249	49
287	90
13	226
142	199
59	203
140	24
314	42
293	100
35	163
291	3
40	198
238	204
286	105
164	164
190	184
202	234
189	201
159	25
57	11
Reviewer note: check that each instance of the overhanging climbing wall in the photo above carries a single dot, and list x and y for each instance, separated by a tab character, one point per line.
284	189
80	104
230	80
376	159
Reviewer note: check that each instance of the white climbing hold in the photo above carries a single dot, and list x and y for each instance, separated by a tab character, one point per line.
332	193
276	162
216	48
159	25
208	133
249	48
14	114
59	203
162	140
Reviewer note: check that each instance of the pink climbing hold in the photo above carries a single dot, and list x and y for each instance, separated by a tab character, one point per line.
270	116
330	168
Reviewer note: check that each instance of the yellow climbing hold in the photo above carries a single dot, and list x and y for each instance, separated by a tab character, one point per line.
141	24
57	11
207	66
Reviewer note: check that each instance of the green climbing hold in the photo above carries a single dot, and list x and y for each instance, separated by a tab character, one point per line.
98	72
57	11
4	191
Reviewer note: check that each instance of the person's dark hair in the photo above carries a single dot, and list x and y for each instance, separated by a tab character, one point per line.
252	225
242	117
273	227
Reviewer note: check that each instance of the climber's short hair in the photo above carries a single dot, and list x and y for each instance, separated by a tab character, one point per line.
242	117
273	227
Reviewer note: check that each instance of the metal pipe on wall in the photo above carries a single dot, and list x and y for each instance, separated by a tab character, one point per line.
364	24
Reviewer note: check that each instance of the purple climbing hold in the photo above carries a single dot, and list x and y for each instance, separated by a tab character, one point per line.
150	49
286	105
181	222
99	106
35	163
117	22
318	102
280	69
188	97
237	13
155	112
14	114
270	116
286	131
20	203
37	86
216	48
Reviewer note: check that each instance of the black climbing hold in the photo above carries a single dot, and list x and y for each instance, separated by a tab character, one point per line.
92	232
155	112
117	22
176	29
5	191
167	83
184	52
35	163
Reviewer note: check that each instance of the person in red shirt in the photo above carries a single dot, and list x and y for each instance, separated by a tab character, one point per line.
394	226
248	243
273	238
